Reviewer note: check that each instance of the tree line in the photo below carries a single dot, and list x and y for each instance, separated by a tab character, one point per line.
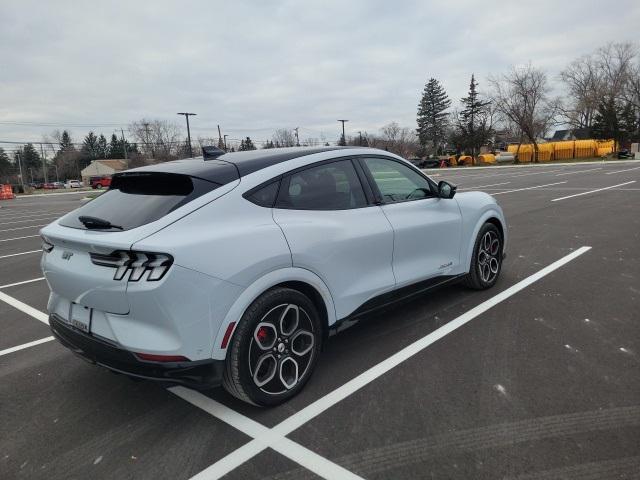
601	98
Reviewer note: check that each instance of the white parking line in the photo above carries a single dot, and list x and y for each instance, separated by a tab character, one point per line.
21	283
22	228
266	437
579	171
23	307
18	238
28	220
43	214
528	188
6	351
255	446
485	186
592	191
622	171
21	253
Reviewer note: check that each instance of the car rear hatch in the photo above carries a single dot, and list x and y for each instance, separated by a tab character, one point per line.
83	248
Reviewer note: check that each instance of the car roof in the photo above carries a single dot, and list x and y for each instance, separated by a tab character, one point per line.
231	166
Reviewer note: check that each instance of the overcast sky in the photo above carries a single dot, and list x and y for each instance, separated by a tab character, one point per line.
254	66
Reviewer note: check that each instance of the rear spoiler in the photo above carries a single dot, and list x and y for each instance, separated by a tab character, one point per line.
211	152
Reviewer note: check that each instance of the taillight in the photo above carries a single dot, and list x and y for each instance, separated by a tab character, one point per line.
47	246
136	264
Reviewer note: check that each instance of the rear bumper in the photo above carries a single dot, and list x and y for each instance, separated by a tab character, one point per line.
198	374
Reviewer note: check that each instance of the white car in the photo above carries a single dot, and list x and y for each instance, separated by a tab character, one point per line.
73	184
234	268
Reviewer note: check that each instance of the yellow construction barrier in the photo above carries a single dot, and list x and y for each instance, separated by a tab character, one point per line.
585	148
465	160
452	160
487	158
563	150
525	153
545	152
604	147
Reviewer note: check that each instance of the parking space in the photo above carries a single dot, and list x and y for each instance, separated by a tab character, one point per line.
537	376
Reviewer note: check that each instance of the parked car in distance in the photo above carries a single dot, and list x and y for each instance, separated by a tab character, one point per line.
100	182
177	290
58	185
73	184
36	185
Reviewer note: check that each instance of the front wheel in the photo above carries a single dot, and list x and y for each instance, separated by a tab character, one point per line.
274	348
486	261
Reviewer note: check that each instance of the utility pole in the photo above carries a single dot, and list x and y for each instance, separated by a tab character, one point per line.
19	154
146	139
344	139
187	115
360	133
124	148
220	144
44	163
225	141
297	138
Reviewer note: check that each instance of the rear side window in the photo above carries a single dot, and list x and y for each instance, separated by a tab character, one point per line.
264	196
135	199
331	186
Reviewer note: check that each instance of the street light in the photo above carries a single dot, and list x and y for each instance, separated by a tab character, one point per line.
186	115
344	139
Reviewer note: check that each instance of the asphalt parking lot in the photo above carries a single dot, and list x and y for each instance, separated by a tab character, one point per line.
538	377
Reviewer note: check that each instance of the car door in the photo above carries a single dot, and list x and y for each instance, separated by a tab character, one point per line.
335	231
427	229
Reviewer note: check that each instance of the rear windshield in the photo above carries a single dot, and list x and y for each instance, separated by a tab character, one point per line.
135	199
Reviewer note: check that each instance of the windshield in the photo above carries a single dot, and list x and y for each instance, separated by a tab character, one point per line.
135	199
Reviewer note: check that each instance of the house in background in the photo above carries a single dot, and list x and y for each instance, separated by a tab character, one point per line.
572	134
105	167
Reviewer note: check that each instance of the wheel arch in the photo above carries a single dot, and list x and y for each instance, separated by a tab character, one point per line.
298	279
494	217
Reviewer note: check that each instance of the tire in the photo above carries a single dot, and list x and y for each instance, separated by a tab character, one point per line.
486	262
274	349
98	186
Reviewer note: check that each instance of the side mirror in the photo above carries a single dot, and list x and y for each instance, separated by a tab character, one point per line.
446	190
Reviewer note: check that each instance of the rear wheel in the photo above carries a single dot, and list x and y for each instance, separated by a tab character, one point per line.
486	262
274	348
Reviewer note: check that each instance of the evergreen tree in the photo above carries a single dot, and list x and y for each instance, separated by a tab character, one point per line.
89	148
102	148
116	149
66	144
246	144
269	144
474	120
5	164
432	117
30	157
615	120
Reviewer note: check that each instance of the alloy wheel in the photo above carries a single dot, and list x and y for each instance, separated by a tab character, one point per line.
281	349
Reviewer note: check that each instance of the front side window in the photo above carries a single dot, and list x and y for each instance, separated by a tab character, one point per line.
397	182
331	186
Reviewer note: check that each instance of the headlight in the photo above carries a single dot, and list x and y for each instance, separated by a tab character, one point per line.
136	264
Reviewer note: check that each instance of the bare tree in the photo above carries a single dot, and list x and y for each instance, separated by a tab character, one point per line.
283	138
522	97
402	141
585	85
158	139
615	60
